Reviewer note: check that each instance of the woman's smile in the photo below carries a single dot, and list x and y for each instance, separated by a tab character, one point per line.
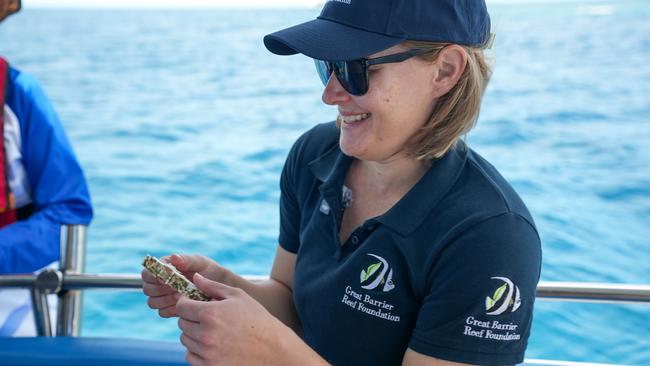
353	119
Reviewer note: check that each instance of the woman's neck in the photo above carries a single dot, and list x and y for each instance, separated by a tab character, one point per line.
394	175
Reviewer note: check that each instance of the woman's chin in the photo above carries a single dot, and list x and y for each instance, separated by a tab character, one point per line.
351	148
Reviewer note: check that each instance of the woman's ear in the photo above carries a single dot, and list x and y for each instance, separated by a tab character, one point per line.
450	65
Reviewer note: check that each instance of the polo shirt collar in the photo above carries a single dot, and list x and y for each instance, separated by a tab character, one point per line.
410	211
330	166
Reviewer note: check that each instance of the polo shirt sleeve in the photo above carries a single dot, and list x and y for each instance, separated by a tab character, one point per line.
478	305
289	208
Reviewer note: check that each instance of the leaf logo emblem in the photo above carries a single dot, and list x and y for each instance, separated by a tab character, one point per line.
370	278
370	271
506	298
497	295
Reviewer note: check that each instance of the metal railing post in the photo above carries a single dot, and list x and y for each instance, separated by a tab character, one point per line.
47	282
73	258
41	312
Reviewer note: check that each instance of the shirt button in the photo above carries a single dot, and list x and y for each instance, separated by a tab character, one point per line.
355	240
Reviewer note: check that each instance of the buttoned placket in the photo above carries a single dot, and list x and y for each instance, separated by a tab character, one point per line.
358	236
331	195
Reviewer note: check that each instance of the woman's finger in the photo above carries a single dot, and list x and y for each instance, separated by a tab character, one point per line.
189	309
168	312
215	289
194	359
190	328
189	263
161	302
148	277
151	289
191	345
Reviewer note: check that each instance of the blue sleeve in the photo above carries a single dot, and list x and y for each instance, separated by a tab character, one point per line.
58	187
479	306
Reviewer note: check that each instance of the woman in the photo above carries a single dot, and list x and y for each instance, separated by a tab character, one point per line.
398	243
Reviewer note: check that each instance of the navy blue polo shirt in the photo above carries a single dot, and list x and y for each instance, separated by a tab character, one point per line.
450	271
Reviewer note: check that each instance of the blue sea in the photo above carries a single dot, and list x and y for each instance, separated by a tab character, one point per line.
182	121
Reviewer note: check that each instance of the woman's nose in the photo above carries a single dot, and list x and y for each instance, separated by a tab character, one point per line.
334	92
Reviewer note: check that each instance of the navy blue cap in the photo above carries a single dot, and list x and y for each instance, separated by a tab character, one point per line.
351	29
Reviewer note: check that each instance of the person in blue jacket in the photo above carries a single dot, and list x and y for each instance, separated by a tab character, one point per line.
42	185
399	244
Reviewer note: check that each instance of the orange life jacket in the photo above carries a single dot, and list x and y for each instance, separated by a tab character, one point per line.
7	202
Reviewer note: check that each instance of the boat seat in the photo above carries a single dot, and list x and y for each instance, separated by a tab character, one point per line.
87	351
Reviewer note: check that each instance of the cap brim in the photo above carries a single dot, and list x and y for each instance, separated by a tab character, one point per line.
326	40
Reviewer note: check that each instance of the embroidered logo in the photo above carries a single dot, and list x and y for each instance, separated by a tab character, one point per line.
506	298
376	279
324	207
377	274
346	197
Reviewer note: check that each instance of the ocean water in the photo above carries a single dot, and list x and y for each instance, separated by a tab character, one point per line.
182	121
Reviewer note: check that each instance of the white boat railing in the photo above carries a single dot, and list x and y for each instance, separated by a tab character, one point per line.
68	281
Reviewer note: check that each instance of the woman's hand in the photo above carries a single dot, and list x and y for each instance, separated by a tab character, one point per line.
164	298
232	329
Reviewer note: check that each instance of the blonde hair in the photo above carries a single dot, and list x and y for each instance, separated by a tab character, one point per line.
455	113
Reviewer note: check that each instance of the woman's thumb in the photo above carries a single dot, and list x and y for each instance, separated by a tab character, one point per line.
215	290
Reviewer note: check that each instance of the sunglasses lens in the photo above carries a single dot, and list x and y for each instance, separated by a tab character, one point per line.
351	75
324	70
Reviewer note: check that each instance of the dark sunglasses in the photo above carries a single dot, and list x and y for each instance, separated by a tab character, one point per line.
353	75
